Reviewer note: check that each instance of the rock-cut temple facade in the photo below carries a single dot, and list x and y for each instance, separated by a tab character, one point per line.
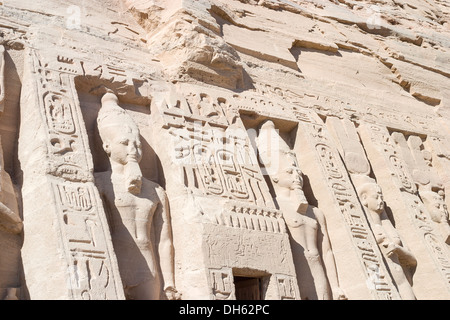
224	150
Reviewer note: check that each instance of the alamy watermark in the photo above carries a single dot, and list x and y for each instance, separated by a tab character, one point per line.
73	17
374	19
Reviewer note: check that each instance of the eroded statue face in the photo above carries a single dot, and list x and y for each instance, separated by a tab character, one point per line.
125	148
289	174
373	199
436	204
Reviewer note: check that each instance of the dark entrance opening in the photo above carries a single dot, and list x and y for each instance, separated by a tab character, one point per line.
247	288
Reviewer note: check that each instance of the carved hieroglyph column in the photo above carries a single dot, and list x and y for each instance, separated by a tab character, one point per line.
361	269
432	275
67	251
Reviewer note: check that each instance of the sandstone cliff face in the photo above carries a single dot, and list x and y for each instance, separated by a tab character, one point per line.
287	149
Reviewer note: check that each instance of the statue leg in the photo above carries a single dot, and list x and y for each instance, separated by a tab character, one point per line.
320	278
146	290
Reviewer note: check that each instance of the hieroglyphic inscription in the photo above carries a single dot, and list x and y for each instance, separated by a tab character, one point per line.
82	222
66	146
286	287
378	279
86	247
216	160
222	286
411	122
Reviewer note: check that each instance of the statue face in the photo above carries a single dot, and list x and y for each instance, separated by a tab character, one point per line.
373	199
291	177
289	174
124	148
437	205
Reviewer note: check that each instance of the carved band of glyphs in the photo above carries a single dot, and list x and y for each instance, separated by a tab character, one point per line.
216	160
82	224
245	216
341	188
381	138
58	104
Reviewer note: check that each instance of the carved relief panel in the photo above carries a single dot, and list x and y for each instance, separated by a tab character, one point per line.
216	157
286	287
423	165
313	137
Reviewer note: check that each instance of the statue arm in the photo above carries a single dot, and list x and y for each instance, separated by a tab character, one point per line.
395	245
390	229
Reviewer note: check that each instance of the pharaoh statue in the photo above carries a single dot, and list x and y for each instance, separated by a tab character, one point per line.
313	257
400	260
137	209
435	204
10	239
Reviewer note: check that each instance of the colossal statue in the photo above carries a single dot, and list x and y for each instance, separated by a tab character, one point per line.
138	209
317	278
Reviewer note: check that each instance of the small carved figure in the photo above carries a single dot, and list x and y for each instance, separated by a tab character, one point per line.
435	204
138	208
400	260
317	278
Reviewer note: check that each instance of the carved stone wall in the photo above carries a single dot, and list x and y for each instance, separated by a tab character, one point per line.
136	164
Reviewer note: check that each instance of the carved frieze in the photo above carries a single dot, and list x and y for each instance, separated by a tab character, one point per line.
345	199
242	215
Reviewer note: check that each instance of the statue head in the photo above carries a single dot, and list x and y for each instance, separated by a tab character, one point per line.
435	204
285	172
372	197
121	139
118	131
275	151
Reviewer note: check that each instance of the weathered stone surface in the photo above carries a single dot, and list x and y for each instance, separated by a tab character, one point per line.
221	150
